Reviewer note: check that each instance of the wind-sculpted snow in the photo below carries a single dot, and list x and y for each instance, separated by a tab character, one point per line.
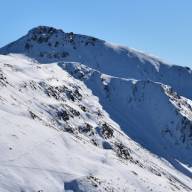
151	113
79	114
55	136
47	44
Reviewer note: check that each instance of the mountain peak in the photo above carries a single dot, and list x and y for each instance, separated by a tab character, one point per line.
111	118
48	44
44	31
42	34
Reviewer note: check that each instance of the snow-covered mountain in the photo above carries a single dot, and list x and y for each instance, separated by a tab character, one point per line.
79	114
46	45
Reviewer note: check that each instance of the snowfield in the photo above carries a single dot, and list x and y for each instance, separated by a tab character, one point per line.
78	114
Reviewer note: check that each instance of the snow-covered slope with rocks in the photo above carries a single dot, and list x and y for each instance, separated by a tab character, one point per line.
47	44
79	114
150	113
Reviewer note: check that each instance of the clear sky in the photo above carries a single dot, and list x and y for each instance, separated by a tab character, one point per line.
160	27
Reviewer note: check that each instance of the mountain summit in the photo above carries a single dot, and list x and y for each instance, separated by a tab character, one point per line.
47	44
80	114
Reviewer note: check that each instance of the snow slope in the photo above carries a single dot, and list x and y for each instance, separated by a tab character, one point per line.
55	136
47	44
79	114
150	113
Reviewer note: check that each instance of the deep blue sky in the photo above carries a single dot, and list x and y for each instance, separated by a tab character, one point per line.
160	27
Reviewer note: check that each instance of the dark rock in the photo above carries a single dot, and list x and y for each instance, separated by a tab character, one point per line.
106	131
122	151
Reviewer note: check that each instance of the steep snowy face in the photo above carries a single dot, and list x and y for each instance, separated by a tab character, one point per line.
56	136
80	114
47	44
151	113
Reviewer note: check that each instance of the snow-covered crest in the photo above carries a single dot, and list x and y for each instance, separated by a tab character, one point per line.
47	44
100	118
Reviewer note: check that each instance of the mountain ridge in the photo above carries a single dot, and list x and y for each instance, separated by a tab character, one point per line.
109	59
85	115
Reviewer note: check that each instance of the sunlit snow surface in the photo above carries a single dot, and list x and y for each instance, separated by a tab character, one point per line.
103	118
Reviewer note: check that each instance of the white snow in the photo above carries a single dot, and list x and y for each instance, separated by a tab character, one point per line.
99	119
